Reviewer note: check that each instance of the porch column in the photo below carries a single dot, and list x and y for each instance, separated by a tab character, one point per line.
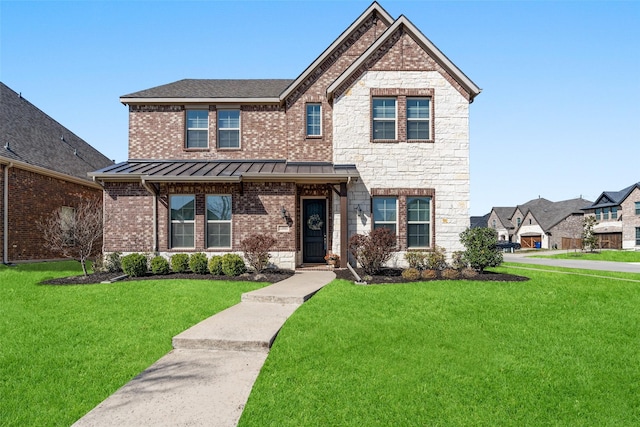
344	232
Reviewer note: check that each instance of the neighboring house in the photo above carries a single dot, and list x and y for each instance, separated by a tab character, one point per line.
479	221
43	167
541	223
618	218
374	133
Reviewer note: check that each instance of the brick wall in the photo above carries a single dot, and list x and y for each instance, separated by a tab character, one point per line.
32	198
128	211
630	220
570	227
2	168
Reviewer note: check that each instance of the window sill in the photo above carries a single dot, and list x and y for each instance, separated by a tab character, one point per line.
421	141
385	141
314	137
203	149
229	149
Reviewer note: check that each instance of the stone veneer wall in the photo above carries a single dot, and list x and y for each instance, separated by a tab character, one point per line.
630	220
442	165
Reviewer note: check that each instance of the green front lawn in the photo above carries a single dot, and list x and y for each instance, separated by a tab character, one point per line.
559	349
606	255
64	349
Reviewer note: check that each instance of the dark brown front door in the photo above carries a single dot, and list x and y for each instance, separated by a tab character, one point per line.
314	234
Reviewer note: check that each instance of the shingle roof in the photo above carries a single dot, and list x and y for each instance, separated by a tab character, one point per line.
548	213
505	214
226	170
216	88
613	198
30	136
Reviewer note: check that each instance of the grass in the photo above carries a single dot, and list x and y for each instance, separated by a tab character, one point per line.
559	349
66	348
605	255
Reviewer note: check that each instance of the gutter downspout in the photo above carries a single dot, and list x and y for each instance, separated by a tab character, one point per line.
153	191
5	214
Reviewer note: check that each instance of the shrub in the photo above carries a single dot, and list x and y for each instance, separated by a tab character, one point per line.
180	263
135	265
468	273
481	250
256	249
411	274
198	263
457	260
450	273
429	274
416	259
233	265
372	251
160	265
113	263
215	265
436	259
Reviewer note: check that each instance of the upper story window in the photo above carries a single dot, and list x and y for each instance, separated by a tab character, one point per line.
518	221
219	221
197	129
314	120
183	215
228	128
418	222
614	212
637	208
598	214
385	213
418	118
384	118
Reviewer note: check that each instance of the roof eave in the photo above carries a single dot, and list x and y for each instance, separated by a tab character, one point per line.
183	100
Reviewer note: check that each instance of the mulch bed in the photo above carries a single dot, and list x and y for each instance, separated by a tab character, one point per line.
394	275
271	276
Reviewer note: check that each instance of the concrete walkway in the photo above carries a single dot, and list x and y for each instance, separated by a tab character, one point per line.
527	258
207	378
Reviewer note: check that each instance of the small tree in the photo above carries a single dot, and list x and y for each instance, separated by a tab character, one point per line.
256	250
373	250
74	232
481	250
589	238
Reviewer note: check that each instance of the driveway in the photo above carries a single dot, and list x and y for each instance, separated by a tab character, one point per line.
527	258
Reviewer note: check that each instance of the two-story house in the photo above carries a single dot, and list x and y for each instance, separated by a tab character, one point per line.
374	133
618	218
43	168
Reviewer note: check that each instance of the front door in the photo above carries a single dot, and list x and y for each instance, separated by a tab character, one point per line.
314	234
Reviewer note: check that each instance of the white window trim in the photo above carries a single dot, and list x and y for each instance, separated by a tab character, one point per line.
193	221
186	116
306	115
427	222
382	223
221	128
419	119
214	221
384	119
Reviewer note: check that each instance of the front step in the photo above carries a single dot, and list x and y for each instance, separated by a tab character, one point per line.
248	326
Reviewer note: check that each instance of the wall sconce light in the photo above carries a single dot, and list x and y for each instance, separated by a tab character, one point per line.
283	213
358	211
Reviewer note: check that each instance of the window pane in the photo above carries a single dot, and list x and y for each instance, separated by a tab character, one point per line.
197	139
418	130
219	235
637	208
218	208
418	108
384	130
418	235
197	119
182	208
229	119
390	227
384	108
384	209
313	119
229	139
418	209
182	235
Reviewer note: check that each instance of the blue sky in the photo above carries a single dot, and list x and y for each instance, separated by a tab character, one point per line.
559	115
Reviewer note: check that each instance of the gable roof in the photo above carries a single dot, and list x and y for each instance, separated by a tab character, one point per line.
548	214
403	23
612	198
31	137
505	214
212	90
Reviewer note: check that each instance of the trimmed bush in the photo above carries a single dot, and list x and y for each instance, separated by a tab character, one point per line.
135	265
457	260
198	263
180	263
436	259
429	274
416	259
160	265
113	262
468	273
256	250
215	265
411	274
233	265
482	251
373	250
450	273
